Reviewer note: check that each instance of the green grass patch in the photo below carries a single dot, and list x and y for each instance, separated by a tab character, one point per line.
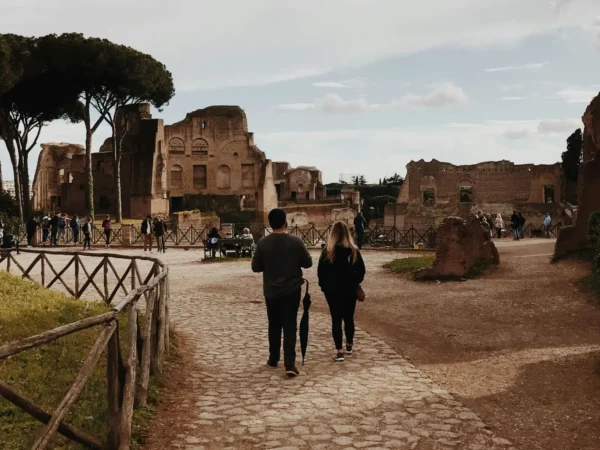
44	374
410	265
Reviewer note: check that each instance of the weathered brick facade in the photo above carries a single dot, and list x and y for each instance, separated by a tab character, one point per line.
460	246
574	238
435	190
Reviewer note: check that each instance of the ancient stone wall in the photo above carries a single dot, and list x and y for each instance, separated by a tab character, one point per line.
54	168
435	190
460	246
320	216
574	238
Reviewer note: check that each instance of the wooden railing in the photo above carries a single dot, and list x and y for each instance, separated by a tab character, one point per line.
127	377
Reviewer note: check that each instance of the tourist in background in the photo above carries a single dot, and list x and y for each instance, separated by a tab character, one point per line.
31	227
247	235
87	232
62	227
54	229
75	228
514	223
147	233
159	231
107	227
341	270
359	228
280	257
45	229
521	225
212	241
548	226
499	224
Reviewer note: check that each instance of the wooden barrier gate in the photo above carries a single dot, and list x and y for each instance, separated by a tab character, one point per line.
128	377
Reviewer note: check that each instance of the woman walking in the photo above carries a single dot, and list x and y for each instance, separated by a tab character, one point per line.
341	270
499	225
107	226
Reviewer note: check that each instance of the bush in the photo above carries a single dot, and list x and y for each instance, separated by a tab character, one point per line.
594	238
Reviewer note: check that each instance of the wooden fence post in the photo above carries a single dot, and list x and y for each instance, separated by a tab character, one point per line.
76	275
168	317
43	269
144	376
105	279
114	389
154	329
160	345
126	414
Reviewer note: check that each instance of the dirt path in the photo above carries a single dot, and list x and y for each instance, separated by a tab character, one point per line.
519	346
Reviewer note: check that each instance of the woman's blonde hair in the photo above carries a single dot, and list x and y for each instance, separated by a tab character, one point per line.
340	235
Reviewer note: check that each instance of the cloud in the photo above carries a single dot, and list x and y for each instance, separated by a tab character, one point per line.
296	106
210	45
355	83
511	87
458	143
558	126
531	66
445	94
577	95
441	95
512	99
517	133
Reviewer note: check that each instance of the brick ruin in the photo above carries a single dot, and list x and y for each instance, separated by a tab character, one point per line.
208	161
461	245
574	238
435	190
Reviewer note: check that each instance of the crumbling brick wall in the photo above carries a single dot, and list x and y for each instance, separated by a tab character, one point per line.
460	246
496	187
574	238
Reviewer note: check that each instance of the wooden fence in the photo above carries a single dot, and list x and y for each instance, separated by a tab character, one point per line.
128	371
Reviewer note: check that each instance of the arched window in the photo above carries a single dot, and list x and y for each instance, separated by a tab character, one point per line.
223	177
200	146
176	177
176	145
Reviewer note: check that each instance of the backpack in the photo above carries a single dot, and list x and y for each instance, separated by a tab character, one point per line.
61	222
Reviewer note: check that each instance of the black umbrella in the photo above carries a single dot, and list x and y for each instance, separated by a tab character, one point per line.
304	322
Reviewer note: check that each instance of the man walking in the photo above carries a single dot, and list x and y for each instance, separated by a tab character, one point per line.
74	224
514	223
521	225
359	227
54	229
281	257
147	233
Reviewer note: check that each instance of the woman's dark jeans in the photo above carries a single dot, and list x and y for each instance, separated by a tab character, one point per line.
342	307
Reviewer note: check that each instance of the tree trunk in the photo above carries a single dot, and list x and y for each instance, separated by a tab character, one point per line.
89	189
117	167
10	146
26	195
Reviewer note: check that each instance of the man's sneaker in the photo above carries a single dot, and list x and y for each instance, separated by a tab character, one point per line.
349	349
339	357
270	365
292	372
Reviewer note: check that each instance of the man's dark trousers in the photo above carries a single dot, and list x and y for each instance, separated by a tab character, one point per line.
282	313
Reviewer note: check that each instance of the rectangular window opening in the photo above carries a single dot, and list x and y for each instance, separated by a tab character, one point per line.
466	194
429	197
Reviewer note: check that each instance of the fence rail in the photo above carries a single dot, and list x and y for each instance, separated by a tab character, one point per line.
127	377
131	236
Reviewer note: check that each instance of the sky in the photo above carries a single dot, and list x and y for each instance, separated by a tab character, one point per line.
357	86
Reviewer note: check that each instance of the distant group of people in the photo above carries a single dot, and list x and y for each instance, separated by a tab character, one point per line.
154	228
54	229
517	223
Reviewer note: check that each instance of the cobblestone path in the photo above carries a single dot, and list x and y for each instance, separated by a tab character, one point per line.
374	400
